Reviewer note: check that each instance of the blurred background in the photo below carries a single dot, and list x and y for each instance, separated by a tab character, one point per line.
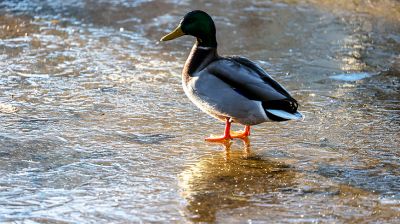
95	127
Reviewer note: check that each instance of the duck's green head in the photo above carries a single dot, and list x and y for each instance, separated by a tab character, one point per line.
198	24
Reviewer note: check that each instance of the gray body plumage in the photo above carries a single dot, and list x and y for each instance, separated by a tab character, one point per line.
236	88
219	100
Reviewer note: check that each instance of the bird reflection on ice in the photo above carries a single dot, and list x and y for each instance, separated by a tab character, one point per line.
229	180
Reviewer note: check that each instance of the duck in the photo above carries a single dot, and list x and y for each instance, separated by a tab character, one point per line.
232	89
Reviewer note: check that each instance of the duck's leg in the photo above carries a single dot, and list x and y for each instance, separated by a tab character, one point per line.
244	134
225	137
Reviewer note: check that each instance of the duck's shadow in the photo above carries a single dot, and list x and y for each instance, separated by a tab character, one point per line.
229	180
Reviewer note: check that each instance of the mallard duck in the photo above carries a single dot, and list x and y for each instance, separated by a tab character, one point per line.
231	89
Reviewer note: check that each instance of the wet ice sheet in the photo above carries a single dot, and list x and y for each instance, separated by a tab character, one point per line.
94	126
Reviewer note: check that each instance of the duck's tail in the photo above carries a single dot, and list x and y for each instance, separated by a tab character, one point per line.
281	115
282	110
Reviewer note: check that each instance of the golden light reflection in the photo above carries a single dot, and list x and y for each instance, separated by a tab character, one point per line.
352	64
386	9
353	51
228	180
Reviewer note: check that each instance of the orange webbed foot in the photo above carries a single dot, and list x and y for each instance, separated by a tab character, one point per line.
220	139
226	137
242	135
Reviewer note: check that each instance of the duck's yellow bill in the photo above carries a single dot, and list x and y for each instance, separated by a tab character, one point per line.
174	34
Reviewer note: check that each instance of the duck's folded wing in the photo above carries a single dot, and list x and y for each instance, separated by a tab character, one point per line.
248	79
261	73
253	82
